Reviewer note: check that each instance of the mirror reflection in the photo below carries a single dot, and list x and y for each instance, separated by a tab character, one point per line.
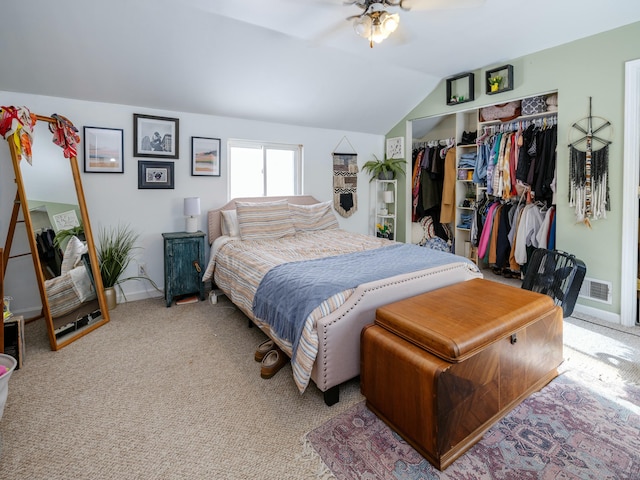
63	248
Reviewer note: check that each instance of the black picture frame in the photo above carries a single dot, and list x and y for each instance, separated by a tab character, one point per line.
155	175
460	89
205	156
156	137
506	73
103	150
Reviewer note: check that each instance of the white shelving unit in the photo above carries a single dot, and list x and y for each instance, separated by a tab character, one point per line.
386	205
466	190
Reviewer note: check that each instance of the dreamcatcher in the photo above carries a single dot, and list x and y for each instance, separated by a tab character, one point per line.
589	168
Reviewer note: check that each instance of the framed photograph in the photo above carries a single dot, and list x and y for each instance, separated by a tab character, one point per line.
103	150
155	174
156	137
395	147
66	220
205	156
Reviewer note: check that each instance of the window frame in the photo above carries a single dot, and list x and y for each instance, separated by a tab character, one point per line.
297	150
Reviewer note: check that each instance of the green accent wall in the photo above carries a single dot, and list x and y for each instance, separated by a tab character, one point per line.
590	67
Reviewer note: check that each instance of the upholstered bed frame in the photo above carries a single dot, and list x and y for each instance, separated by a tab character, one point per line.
338	358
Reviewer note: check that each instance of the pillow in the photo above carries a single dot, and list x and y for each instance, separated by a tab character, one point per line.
309	218
267	220
72	254
230	225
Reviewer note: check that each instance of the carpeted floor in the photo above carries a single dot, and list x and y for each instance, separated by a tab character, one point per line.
174	393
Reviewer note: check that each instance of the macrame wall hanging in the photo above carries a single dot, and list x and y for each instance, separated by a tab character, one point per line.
345	179
589	168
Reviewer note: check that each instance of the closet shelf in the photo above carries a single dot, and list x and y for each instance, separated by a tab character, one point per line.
520	118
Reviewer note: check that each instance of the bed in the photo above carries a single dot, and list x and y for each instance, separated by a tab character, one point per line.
73	287
252	239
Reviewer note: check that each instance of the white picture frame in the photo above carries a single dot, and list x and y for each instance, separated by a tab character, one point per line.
395	147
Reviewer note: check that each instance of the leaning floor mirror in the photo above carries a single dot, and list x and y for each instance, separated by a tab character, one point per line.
50	200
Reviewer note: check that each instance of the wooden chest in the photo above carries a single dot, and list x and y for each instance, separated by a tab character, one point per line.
442	367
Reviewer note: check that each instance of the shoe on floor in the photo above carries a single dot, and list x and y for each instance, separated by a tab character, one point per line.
272	362
264	348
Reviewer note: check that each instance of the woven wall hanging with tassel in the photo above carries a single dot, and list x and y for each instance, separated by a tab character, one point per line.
589	170
345	181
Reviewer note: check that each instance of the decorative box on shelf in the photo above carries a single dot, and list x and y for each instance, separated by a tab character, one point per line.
499	80
460	89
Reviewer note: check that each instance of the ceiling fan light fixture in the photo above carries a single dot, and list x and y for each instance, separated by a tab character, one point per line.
376	24
390	22
362	26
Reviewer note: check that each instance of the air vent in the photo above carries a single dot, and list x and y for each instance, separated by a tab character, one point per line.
597	290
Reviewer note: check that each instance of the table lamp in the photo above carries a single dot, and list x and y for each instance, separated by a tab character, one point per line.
192	212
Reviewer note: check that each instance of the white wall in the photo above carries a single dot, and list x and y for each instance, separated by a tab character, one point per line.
115	198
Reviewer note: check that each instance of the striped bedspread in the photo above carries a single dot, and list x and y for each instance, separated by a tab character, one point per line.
239	266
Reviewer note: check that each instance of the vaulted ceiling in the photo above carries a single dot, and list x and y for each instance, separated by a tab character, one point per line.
287	61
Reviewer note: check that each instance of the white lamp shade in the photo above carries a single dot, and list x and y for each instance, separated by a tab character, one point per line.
387	196
389	22
192	206
362	26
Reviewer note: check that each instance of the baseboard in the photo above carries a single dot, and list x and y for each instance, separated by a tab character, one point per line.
139	295
601	314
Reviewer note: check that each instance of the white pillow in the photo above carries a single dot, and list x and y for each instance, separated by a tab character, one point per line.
72	254
309	218
230	225
267	220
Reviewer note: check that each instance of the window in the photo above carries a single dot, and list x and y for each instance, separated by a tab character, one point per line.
264	169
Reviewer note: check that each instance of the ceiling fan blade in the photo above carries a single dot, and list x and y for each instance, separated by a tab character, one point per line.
441	4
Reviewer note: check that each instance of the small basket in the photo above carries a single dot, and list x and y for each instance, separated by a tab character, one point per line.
9	362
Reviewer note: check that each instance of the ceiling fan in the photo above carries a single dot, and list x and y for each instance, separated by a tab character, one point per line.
376	24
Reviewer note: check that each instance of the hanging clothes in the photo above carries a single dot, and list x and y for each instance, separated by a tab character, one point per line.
448	206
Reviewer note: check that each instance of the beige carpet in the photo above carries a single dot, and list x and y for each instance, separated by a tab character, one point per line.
174	393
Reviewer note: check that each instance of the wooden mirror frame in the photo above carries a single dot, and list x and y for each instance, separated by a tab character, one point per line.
21	202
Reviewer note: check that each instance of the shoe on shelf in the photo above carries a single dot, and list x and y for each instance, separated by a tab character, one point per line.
264	348
272	362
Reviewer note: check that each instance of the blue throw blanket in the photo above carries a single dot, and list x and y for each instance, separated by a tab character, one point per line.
288	293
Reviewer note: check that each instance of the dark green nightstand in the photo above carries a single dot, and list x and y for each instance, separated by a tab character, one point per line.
183	264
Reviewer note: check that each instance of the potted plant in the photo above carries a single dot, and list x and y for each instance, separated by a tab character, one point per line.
383	230
386	169
495	82
115	251
63	235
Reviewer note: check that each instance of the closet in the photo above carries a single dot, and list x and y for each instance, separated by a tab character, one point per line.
498	168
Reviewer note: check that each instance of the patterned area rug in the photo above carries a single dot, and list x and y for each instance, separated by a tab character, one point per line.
565	431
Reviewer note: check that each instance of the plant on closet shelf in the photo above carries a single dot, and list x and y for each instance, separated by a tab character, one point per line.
386	169
495	82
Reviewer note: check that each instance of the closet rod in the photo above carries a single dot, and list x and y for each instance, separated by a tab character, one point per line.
517	124
433	143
